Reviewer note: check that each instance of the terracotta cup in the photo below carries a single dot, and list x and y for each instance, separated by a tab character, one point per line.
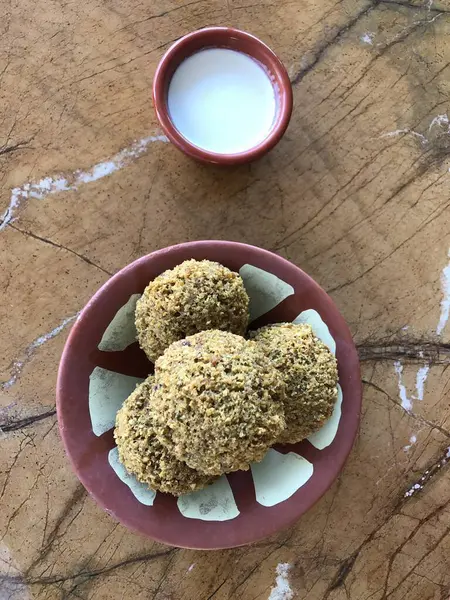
233	39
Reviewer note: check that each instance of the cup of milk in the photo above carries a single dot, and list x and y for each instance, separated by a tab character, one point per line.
222	96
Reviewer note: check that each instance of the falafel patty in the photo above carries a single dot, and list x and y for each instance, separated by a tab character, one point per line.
143	455
192	297
218	402
309	371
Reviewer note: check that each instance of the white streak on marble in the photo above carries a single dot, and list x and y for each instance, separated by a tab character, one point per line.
14	204
421	377
415	488
406	30
423	371
426	476
18	365
191	567
422	138
282	589
445	302
412	441
60	183
367	38
406	402
120	160
441	121
386	473
53	333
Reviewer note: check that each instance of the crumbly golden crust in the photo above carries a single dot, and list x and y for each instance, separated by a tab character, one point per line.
143	455
192	297
218	402
309	371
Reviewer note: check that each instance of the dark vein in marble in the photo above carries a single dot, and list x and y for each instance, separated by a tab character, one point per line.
18	146
430	473
159	15
9	426
218	588
347	565
340	32
430	352
54	579
163	577
406	32
60	247
419	7
86	584
417	563
75	499
17	510
343	571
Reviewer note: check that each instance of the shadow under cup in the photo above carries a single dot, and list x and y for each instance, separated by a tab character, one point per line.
232	39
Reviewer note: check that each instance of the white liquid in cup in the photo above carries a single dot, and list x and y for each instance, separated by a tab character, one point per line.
222	101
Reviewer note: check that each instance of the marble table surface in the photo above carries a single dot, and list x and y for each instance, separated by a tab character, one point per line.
357	193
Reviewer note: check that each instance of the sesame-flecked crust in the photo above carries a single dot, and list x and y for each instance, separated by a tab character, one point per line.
141	452
192	297
218	402
309	371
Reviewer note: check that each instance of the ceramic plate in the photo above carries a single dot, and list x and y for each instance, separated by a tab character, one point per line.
102	363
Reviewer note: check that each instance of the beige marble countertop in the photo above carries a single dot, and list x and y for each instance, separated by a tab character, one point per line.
357	194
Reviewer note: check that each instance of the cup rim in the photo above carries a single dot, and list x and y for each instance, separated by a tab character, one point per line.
164	73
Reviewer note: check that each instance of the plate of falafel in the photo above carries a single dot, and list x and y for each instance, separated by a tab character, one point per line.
209	394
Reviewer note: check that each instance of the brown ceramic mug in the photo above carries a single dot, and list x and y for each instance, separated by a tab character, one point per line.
232	39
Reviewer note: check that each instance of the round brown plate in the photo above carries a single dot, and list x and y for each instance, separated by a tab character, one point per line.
89	453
